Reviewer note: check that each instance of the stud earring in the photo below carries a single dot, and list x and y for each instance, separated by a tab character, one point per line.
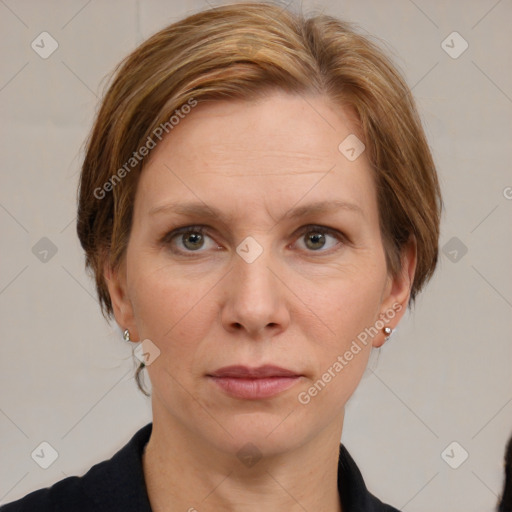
387	332
126	335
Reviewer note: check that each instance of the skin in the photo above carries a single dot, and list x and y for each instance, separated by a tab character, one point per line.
299	305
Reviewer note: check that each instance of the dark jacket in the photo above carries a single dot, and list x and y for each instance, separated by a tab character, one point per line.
118	484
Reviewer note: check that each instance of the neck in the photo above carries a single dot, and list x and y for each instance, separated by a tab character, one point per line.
184	472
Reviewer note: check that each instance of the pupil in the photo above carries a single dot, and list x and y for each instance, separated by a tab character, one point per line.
317	238
195	238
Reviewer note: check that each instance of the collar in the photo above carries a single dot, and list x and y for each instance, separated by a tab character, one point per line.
118	483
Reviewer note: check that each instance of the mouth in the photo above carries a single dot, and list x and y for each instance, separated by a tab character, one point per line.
254	383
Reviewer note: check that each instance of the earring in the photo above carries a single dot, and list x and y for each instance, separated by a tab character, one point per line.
126	335
387	332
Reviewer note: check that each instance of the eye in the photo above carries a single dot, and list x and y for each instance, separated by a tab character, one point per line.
189	239
320	238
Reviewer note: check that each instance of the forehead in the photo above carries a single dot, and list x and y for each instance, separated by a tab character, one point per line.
273	151
310	126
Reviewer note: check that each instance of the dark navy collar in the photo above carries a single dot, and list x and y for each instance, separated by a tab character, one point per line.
355	497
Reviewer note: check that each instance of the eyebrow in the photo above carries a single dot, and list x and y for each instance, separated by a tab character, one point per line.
200	209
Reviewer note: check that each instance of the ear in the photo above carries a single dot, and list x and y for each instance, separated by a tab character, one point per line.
121	304
398	291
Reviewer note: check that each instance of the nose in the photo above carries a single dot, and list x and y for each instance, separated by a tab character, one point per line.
255	298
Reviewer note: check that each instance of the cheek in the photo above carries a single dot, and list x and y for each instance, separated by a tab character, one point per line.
170	310
351	304
350	308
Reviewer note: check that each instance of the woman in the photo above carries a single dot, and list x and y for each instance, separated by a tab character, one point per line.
259	207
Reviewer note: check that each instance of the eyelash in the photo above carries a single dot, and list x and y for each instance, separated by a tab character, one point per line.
203	230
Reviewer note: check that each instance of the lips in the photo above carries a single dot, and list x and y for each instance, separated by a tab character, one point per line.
244	372
254	383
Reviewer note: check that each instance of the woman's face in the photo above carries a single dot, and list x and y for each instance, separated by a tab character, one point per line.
288	271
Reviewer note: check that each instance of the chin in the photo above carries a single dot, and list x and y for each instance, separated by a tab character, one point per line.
267	434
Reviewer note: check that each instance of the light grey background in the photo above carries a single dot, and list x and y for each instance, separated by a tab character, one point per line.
67	377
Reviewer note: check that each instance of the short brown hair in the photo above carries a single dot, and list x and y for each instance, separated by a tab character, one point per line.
240	51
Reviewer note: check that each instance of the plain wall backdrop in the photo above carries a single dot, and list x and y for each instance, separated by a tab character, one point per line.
445	375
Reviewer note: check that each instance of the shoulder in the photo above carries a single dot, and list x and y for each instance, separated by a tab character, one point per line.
64	495
110	485
352	489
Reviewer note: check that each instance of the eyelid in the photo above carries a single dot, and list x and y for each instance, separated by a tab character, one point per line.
173	233
325	229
